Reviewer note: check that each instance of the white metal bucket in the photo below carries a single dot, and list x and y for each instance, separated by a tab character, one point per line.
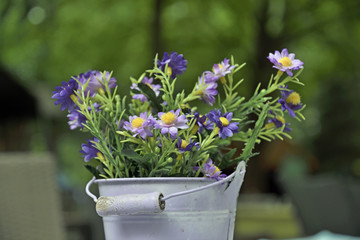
169	208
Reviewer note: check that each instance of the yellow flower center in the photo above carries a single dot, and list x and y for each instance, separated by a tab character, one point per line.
293	98
183	144
220	67
216	170
168	71
137	122
281	119
285	61
224	121
168	118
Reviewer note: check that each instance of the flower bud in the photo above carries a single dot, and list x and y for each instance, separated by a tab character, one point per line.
101	92
74	98
100	157
169	160
121	166
177	98
157	150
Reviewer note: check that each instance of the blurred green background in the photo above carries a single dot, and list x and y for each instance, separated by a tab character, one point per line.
45	42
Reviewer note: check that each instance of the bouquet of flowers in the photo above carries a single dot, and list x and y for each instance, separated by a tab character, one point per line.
160	133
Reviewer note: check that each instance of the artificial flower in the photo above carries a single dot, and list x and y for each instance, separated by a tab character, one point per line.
290	101
77	119
140	125
207	91
186	146
277	122
176	64
123	134
285	62
200	123
223	123
170	122
211	171
65	95
219	71
97	82
84	77
89	150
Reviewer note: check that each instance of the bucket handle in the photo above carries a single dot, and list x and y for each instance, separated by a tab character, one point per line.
240	170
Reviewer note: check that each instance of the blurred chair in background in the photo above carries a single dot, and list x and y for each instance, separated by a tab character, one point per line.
323	202
30	206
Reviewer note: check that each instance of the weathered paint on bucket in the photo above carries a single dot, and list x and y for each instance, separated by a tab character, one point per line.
206	214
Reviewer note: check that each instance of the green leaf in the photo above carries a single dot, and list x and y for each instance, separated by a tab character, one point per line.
135	91
150	94
159	172
247	152
93	171
132	155
227	156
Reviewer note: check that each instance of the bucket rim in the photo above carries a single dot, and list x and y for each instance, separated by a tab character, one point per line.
156	179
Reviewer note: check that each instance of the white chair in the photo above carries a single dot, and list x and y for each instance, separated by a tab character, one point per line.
30	206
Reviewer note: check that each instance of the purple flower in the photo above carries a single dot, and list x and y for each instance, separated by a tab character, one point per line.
220	70
290	101
176	64
170	122
149	82
65	95
201	123
207	91
278	122
83	77
89	150
97	82
77	119
285	62
141	125
226	129
185	146
211	171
